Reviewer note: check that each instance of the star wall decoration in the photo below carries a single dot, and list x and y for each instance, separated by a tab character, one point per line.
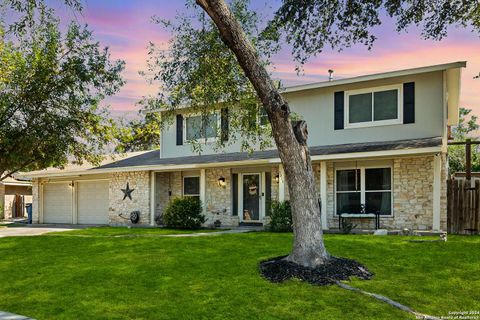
127	192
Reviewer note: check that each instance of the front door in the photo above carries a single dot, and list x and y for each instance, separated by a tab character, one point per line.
251	197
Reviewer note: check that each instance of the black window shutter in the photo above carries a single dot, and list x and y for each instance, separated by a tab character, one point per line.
339	110
409	102
179	129
268	193
235	194
224	124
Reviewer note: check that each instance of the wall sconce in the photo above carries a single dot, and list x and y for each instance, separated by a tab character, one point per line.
277	178
71	185
221	182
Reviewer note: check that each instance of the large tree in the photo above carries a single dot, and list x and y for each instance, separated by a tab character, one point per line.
199	72
52	80
310	25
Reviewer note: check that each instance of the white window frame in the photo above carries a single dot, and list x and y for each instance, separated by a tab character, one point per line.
183	186
259	118
363	190
373	123
211	139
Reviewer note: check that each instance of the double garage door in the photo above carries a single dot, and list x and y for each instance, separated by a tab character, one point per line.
91	202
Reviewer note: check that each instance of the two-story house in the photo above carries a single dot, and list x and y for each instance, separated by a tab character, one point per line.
378	144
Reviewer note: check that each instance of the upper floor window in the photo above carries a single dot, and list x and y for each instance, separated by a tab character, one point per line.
198	127
373	106
263	117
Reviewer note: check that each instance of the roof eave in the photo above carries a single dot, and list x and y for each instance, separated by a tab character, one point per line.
376	76
271	161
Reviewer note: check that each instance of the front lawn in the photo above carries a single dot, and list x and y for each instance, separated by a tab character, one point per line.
217	277
135	231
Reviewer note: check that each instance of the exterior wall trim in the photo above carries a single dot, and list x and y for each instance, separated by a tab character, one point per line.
203	190
152	198
323	194
437	177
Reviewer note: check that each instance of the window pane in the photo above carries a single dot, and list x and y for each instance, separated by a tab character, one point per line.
378	179
360	108
263	117
211	125
348	202
191	185
378	202
194	128
385	105
346	180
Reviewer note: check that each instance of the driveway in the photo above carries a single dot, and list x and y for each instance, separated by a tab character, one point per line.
29	231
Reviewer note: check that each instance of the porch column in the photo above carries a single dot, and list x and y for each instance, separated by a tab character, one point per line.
281	183
323	193
152	198
202	190
437	181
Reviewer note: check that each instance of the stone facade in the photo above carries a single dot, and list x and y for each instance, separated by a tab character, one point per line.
412	193
35	201
2	201
218	199
119	209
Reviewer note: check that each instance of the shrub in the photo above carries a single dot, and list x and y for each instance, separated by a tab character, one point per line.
184	213
280	217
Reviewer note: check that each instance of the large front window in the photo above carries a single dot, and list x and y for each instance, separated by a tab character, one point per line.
201	127
371	107
368	189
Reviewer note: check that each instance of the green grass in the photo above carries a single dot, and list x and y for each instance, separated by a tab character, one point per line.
69	277
121	231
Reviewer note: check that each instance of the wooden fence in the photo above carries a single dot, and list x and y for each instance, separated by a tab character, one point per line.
463	207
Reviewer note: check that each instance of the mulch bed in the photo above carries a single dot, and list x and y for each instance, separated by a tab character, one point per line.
335	269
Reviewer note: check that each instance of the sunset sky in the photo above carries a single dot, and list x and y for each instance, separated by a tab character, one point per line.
125	27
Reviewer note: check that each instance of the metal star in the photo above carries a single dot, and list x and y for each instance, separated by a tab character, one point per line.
127	192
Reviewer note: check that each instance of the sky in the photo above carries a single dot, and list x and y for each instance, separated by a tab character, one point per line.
125	27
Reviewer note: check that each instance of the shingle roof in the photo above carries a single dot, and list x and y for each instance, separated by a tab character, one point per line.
152	158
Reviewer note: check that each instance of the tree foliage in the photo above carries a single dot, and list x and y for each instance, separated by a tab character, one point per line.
197	70
139	134
51	85
311	25
467	125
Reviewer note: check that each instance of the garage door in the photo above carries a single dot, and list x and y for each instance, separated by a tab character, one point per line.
57	203
92	200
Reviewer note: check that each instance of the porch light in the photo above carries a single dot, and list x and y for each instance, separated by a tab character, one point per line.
277	178
221	182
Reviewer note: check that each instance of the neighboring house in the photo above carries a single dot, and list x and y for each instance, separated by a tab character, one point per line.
14	195
377	140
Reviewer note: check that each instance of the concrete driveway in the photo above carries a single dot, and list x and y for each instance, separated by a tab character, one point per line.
29	231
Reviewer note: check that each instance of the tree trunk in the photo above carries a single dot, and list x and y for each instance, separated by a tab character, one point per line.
291	140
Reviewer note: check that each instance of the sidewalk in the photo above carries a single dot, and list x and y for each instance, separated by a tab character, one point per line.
11	316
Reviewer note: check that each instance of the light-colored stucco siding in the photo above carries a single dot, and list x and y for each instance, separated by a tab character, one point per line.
317	107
